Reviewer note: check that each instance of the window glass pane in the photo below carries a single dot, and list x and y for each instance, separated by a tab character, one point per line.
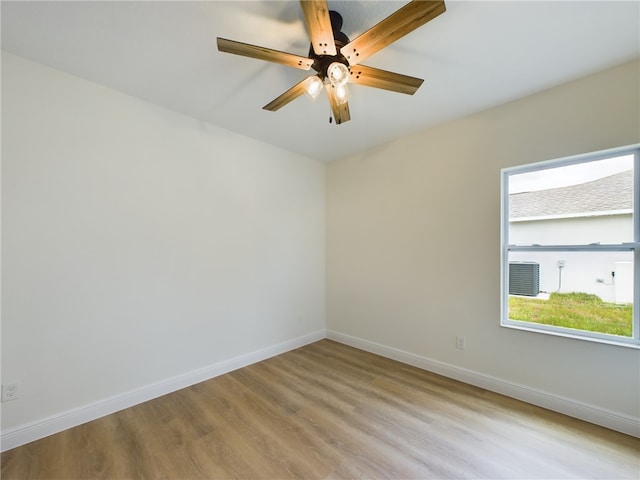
591	291
590	202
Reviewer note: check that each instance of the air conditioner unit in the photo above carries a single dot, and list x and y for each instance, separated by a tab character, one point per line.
524	278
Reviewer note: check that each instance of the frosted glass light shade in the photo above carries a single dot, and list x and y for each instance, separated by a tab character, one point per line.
342	94
314	87
338	74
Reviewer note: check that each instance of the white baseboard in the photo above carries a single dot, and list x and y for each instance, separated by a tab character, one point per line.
590	413
77	416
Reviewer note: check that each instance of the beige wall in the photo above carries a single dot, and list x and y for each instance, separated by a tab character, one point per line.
413	241
139	245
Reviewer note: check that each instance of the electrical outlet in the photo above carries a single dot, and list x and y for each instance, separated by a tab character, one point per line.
461	343
9	392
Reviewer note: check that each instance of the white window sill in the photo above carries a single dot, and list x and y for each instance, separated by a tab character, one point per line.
558	332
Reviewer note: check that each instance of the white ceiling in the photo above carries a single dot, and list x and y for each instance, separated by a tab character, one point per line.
476	55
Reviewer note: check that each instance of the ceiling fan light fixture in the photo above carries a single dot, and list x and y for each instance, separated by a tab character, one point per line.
338	60
314	87
338	74
342	93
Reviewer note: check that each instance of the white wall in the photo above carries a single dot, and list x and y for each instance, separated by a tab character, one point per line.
139	245
604	229
413	242
581	273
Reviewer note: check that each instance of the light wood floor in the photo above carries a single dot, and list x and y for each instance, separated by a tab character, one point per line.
329	411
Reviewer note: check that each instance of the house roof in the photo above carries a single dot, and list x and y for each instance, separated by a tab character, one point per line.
605	195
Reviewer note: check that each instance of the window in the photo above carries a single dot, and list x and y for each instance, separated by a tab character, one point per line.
571	247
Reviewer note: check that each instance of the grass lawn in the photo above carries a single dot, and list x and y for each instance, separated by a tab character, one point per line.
581	311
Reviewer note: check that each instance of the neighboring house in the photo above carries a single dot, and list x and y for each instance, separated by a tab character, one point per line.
596	211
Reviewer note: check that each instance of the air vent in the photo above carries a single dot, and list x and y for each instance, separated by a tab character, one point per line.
524	278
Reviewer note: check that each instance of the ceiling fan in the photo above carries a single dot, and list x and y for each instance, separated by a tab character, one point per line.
336	59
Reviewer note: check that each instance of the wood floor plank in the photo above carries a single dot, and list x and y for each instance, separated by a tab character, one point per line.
328	411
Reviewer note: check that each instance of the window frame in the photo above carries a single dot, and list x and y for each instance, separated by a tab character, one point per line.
634	246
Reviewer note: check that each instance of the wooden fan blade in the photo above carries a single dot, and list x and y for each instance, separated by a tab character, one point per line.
262	53
340	110
294	92
374	77
316	15
395	26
